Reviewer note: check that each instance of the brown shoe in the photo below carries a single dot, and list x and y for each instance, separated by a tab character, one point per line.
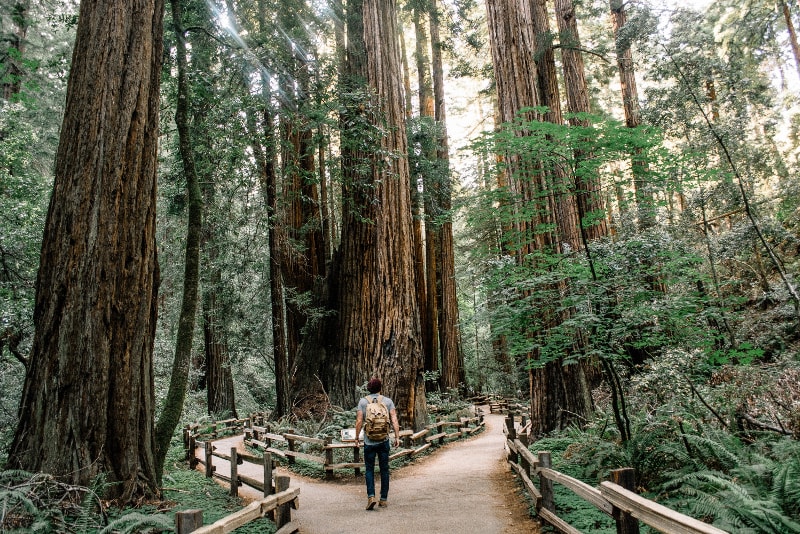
383	504
370	503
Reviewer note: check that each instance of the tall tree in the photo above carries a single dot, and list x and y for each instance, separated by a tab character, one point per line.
643	193
11	71
378	317
453	374
88	401
173	405
424	180
591	208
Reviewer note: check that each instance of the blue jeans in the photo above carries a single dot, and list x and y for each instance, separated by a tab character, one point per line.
381	450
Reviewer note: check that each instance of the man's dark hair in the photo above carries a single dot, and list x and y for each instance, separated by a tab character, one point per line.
374	385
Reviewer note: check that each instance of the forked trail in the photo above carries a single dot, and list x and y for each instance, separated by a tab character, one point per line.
464	487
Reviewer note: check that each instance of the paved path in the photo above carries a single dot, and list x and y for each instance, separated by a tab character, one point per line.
464	487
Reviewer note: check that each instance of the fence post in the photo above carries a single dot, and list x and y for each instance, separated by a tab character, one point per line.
626	523
190	452
187	521
328	458
357	459
546	485
512	435
234	472
268	488
283	513
290	446
523	461
209	459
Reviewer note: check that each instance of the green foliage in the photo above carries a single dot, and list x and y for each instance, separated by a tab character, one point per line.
684	456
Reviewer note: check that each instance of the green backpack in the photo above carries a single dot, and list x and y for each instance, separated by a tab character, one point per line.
376	419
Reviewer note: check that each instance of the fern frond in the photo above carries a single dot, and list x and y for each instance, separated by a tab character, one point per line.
138	522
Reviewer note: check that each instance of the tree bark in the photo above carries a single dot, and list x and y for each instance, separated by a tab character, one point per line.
591	208
630	102
787	16
11	75
179	377
88	402
378	316
453	373
428	295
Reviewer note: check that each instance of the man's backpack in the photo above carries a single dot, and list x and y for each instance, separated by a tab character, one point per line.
376	419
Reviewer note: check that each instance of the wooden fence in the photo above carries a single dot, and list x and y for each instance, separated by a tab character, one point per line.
615	498
332	456
278	498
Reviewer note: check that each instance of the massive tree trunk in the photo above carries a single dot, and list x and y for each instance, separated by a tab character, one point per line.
453	373
378	317
88	402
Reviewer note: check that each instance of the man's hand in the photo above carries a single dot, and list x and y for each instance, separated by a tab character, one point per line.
396	442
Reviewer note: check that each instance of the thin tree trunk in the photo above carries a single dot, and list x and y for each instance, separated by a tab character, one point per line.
429	309
11	75
173	405
787	16
88	402
453	373
630	102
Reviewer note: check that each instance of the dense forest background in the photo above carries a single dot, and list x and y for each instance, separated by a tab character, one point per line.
602	219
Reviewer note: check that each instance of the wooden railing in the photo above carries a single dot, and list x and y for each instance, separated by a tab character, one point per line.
332	456
278	499
615	498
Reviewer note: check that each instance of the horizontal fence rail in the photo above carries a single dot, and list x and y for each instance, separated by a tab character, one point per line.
615	498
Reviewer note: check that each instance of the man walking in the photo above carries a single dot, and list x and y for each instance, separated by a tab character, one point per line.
374	414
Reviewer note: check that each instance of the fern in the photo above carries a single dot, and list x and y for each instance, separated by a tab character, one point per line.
138	522
733	505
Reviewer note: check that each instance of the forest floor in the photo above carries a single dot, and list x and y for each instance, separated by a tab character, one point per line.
463	487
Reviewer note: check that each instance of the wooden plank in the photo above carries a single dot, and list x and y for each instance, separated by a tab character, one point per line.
341	446
656	515
305	456
557	522
453	435
533	491
422	448
277	452
304	439
252	482
232	522
435	436
579	488
254	510
273	437
528	456
400	453
351	465
416	436
245	457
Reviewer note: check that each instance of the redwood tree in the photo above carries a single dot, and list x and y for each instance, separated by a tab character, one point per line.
88	402
378	325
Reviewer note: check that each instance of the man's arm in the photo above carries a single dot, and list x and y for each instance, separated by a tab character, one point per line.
359	423
396	426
